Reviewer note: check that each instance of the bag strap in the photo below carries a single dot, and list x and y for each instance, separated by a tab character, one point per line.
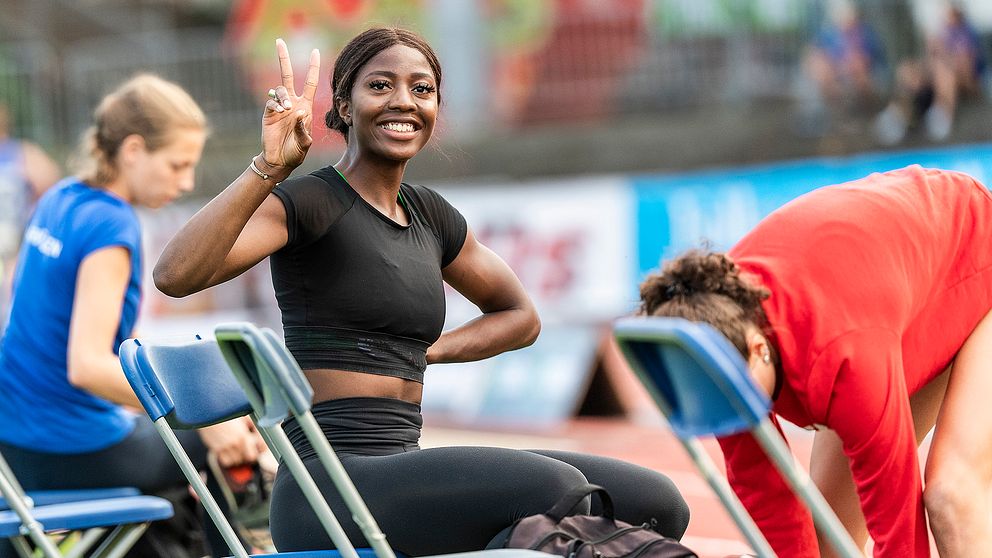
576	495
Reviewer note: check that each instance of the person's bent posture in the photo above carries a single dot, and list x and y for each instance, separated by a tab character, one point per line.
863	310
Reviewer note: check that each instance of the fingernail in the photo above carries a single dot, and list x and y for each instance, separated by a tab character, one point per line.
287	103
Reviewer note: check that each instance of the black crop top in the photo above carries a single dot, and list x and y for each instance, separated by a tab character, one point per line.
357	290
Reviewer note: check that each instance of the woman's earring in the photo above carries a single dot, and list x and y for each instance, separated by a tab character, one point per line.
766	357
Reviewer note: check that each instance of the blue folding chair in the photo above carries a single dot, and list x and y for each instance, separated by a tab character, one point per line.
275	383
188	384
46	497
93	512
701	383
276	388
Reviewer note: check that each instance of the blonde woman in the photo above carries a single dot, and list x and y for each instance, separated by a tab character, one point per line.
64	417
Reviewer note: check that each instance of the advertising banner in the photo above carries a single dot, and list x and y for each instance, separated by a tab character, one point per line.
570	242
678	212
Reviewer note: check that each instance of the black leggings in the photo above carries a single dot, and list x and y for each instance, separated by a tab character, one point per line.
140	460
451	499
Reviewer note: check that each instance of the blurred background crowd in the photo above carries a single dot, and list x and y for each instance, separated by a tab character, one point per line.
538	87
583	139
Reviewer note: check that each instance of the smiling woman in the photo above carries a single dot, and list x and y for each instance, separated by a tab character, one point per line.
359	259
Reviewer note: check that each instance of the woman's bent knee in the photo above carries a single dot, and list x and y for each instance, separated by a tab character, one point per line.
677	518
949	497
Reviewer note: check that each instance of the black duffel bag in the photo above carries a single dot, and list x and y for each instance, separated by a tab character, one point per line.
591	536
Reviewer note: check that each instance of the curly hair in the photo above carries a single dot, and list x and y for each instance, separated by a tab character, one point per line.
703	286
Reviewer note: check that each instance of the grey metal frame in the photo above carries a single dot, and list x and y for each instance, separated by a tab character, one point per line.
766	435
824	518
115	545
21	505
726	494
200	487
280	388
282	445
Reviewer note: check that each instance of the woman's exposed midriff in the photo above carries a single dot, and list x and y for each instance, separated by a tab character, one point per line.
338	384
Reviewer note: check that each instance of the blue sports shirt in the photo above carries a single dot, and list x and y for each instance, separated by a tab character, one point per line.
39	409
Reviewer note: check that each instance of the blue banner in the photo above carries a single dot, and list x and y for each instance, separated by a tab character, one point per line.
682	211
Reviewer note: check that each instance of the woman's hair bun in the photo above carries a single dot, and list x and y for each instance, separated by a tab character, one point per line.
699	272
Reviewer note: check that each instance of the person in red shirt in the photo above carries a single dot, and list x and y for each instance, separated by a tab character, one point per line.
863	309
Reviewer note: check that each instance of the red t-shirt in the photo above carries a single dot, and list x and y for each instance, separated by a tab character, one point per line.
875	285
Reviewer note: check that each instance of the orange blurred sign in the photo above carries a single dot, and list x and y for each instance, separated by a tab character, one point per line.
254	25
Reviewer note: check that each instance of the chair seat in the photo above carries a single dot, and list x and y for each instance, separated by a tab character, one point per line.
47	497
369	553
86	515
500	553
362	553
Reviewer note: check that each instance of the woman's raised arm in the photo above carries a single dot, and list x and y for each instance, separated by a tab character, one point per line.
509	320
245	223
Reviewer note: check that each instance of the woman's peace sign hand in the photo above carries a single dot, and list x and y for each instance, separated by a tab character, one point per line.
288	117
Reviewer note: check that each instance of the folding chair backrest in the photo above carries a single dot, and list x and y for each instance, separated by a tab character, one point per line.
702	384
695	375
183	384
188	382
274	382
262	363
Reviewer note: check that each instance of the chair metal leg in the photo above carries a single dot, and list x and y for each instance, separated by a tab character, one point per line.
8	473
769	439
120	541
360	512
266	438
730	501
312	493
21	547
16	499
207	499
29	525
85	542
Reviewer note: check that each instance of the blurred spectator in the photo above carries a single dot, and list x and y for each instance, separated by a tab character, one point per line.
66	419
843	63
927	91
25	173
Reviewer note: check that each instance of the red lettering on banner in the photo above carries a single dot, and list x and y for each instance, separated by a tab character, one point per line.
546	262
